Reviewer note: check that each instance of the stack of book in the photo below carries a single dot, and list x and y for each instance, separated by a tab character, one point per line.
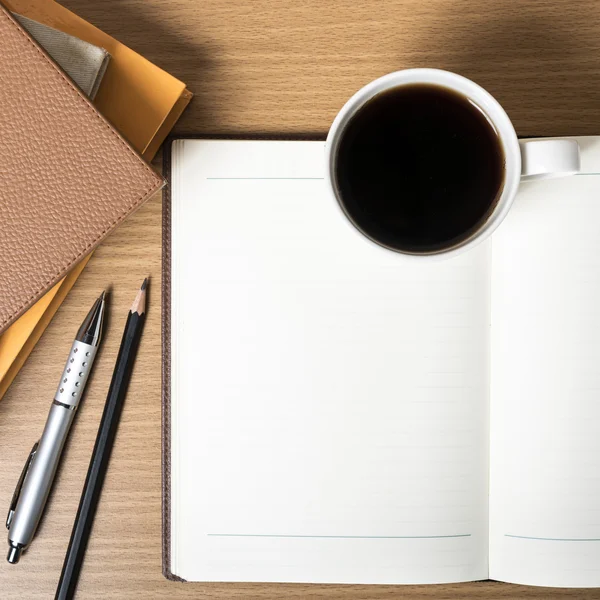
142	101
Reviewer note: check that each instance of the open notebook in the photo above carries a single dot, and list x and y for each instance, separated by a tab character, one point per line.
336	414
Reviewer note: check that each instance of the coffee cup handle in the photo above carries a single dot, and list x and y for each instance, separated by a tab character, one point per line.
547	159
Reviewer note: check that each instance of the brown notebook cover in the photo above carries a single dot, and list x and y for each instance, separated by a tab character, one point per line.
67	177
166	370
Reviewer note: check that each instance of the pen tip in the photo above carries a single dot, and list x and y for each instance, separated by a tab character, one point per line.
102	295
145	284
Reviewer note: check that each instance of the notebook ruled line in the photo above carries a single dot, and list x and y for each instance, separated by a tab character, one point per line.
549	539
342	537
265	178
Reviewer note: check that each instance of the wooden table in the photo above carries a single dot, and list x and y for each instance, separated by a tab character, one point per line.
260	66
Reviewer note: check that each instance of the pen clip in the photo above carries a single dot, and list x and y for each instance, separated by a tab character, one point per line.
17	493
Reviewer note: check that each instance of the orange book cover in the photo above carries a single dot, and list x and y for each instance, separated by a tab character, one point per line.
131	86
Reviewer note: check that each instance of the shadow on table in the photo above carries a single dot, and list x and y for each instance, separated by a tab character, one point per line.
541	65
165	39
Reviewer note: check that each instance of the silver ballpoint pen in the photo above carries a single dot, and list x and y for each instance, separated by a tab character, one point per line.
36	479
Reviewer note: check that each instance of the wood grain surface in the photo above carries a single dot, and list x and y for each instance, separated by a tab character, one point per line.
277	66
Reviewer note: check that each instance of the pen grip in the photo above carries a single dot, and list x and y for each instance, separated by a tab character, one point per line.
40	476
76	373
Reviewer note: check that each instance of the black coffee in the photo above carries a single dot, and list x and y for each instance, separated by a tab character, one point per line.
419	168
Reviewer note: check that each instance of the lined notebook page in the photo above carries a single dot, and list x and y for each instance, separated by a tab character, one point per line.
329	401
545	421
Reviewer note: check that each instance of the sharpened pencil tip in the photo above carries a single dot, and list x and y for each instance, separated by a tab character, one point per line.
139	304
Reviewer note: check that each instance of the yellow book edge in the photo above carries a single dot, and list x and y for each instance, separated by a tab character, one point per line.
9	366
14	338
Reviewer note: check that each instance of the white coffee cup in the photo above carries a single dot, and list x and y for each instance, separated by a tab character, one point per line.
524	159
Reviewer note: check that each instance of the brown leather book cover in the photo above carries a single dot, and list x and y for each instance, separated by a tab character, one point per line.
67	177
166	370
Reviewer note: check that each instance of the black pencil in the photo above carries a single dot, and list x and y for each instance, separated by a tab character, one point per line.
102	448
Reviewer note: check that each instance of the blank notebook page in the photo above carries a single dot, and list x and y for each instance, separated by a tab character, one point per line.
329	399
545	447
